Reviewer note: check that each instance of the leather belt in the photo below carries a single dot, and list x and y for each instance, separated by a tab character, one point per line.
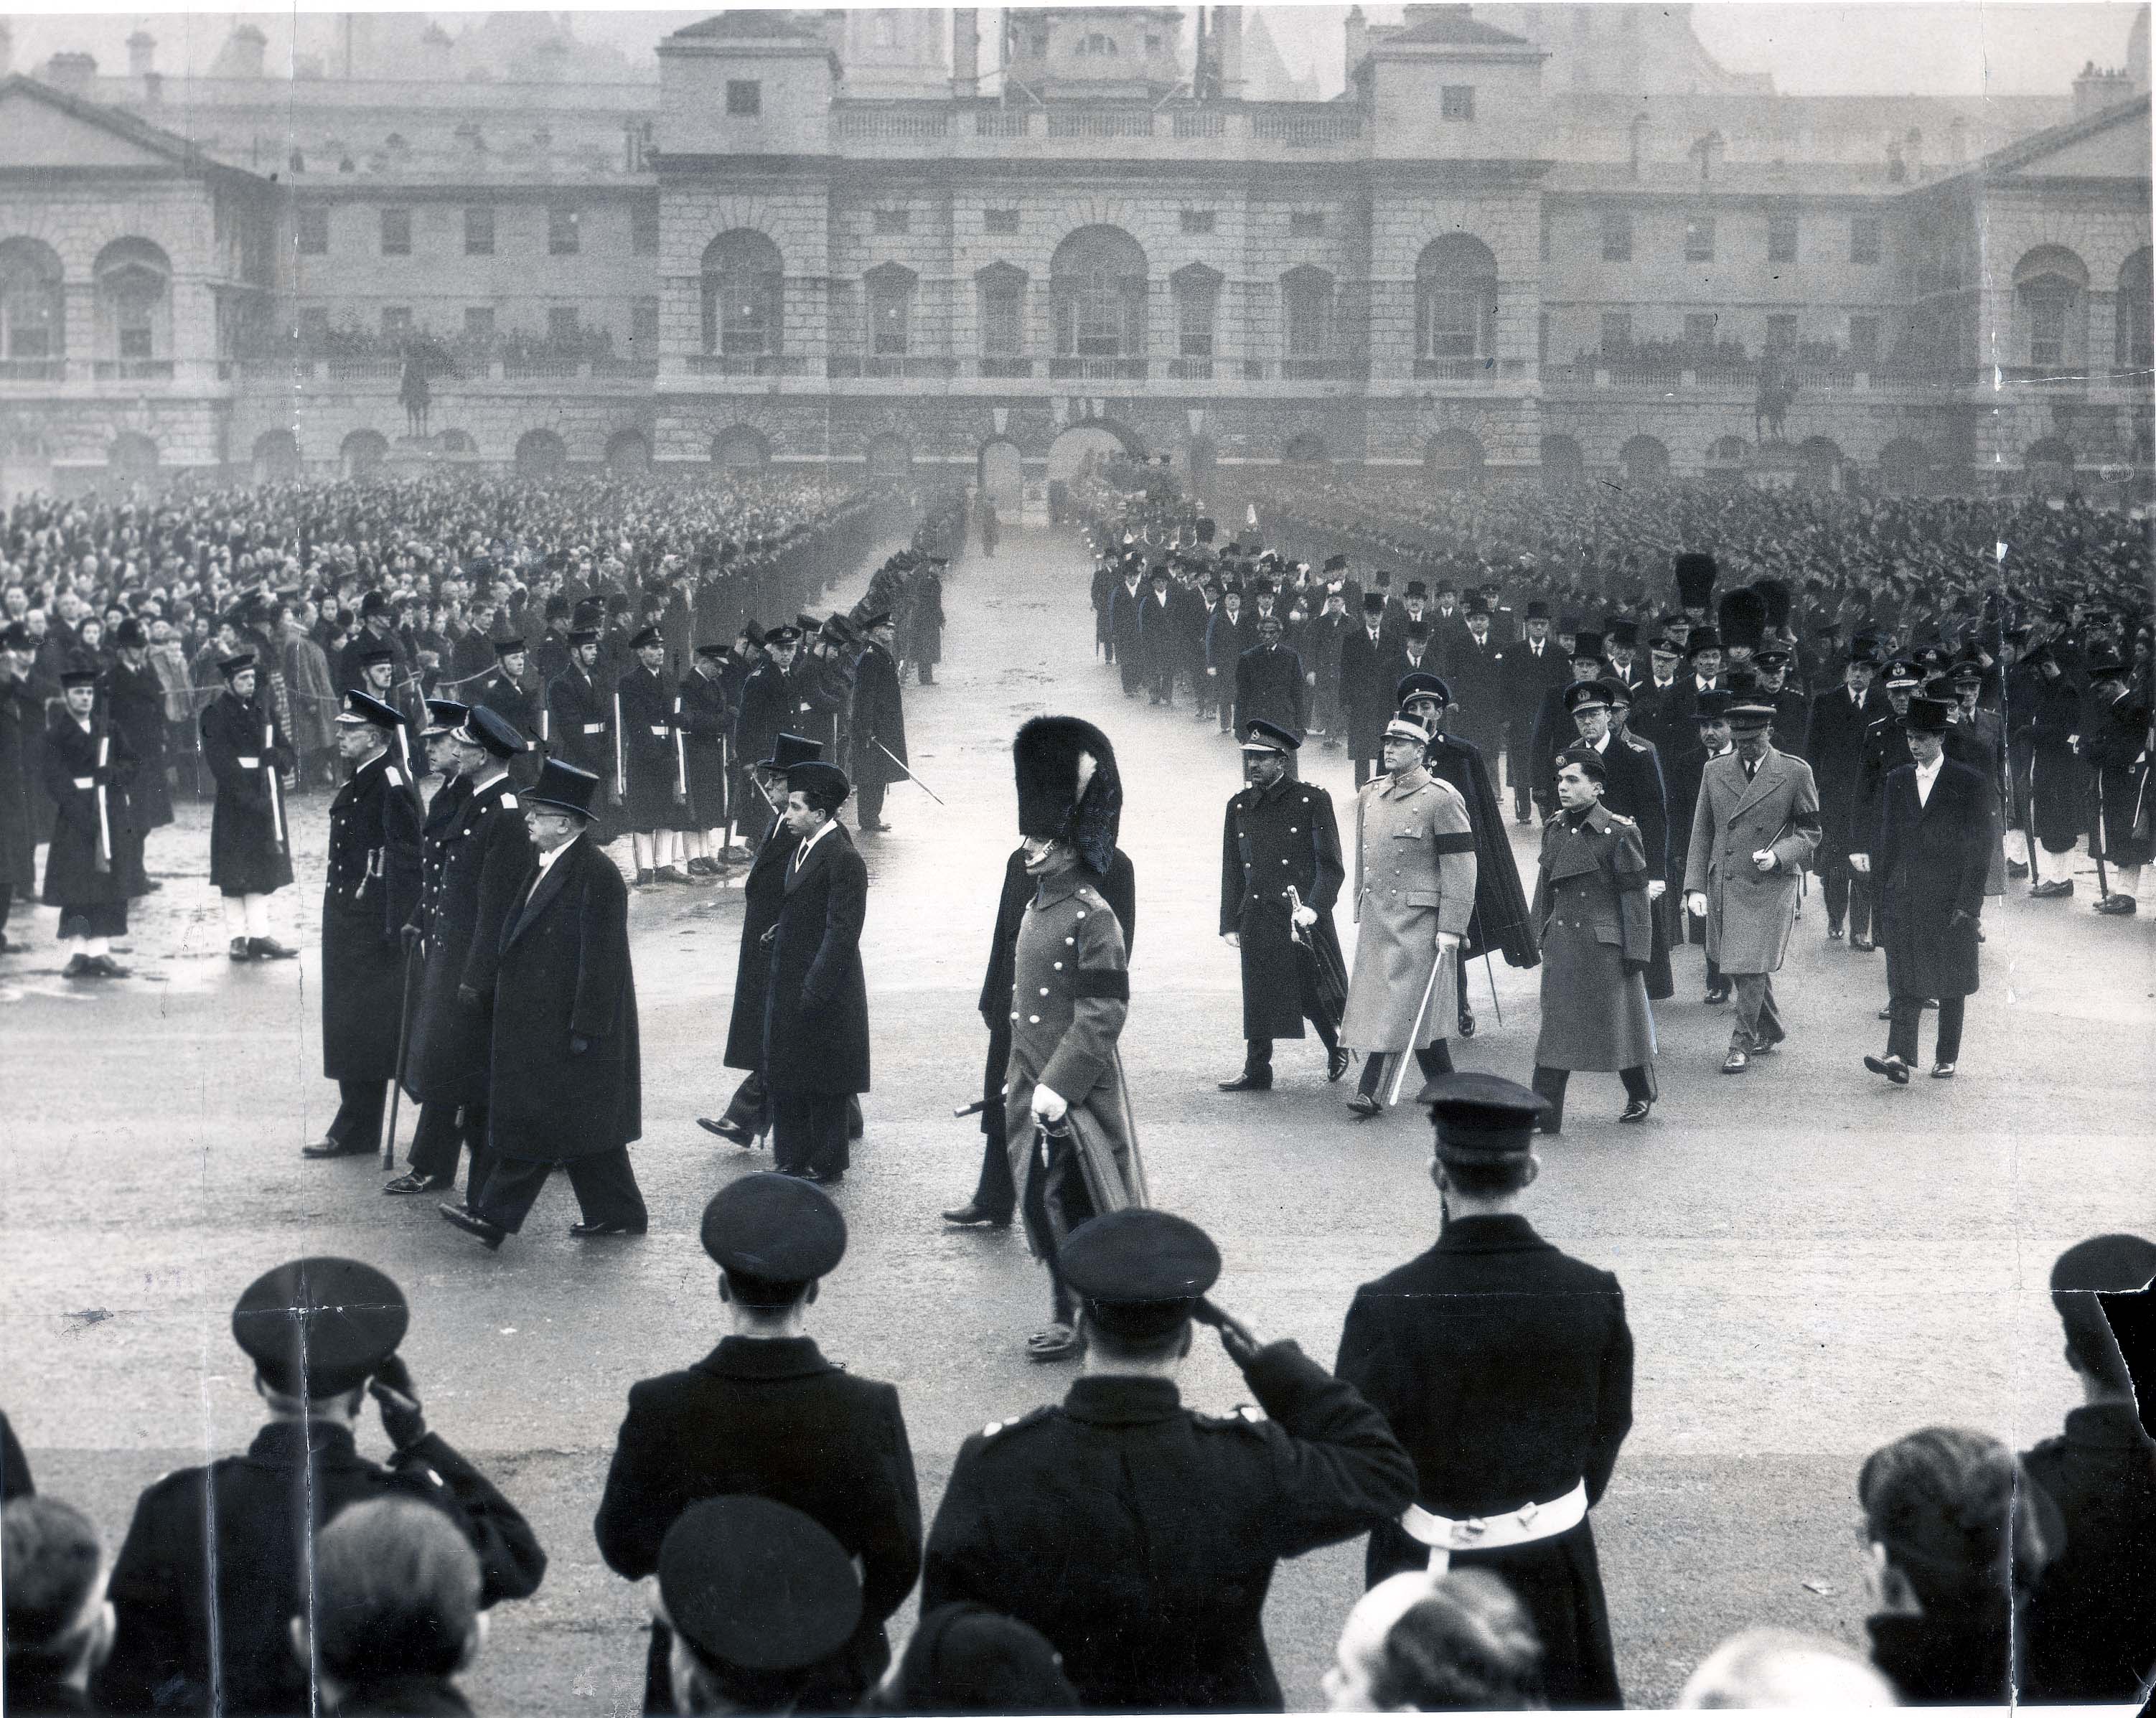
595	727
1523	1525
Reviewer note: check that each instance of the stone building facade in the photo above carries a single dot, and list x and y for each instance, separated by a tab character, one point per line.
814	241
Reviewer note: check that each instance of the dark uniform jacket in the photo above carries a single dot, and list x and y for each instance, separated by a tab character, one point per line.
472	872
879	718
1663	715
1928	865
73	778
565	975
647	745
705	722
214	1564
579	723
816	1003
2115	735
771	1419
1270	685
1141	1537
249	846
1885	749
370	886
2092	1626
1505	1366
766	702
1274	839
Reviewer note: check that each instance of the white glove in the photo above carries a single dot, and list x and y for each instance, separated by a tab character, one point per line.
1655	891
1049	1103
1305	917
1234	938
1764	858
1861	863
1446	940
1696	904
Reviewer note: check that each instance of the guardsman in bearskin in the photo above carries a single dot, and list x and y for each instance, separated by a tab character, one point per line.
250	846
369	889
1281	873
1505	1368
95	848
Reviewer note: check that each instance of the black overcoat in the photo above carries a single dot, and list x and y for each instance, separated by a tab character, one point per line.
370	885
519	706
1140	1537
1500	920
1505	1367
73	879
879	718
816	1005
565	975
771	1419
762	892
647	740
2092	1626
244	749
22	717
1367	685
2115	741
215	1564
577	726
472	879
1272	839
1928	862
1125	624
2058	782
136	701
705	726
925	637
1478	689
766	702
1836	750
1270	685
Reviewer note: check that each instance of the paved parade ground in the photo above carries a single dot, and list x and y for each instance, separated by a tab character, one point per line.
1815	1261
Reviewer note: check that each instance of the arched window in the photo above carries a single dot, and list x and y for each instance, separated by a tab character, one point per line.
1096	282
362	453
628	454
744	282
2051	308
276	456
1456	306
540	453
2134	347
32	319
134	309
1308	326
1645	460
1098	46
889	288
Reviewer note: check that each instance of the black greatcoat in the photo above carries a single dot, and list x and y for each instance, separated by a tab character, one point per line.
705	722
243	747
136	703
1367	684
771	1419
21	715
1500	919
468	892
762	893
1272	839
2091	1627
579	723
1140	1537
369	888
1929	863
216	1562
816	1005
765	702
73	880
647	738
1835	751
520	708
1505	1368
879	717
564	974
1270	685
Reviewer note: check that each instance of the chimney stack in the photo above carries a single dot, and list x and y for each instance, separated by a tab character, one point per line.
1228	50
966	51
142	54
243	52
2095	91
1356	38
72	74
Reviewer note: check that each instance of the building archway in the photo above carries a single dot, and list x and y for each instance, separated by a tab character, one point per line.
1563	464
890	458
1644	461
361	453
1454	459
540	453
740	448
1904	464
132	458
628	455
1002	479
1074	453
1306	447
276	456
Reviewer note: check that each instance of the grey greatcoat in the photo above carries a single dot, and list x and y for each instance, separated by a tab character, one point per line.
1593	916
1414	877
1070	993
1749	911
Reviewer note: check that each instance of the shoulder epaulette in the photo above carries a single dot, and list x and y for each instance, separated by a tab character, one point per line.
509	801
1247	1418
1031	1417
393	775
1618	817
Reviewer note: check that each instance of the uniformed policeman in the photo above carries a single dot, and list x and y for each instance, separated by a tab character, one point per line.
369	888
1505	1368
1138	1536
219	1559
765	1412
1281	873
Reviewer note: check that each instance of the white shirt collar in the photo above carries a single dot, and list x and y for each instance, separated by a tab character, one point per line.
1930	769
801	852
547	860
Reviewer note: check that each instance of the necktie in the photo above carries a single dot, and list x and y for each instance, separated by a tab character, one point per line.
1751	767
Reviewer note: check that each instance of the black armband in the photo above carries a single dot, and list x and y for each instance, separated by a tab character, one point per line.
1114	986
1464	842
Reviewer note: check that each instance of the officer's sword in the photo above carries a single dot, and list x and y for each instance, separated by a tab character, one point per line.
276	789
909	775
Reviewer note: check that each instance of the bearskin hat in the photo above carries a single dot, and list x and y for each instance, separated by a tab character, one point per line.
1742	616
1776	596
1695	575
1068	786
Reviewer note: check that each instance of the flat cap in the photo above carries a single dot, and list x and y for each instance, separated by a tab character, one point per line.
645	638
319	1326
1586	694
496	734
444	714
360	710
1422	685
775	1227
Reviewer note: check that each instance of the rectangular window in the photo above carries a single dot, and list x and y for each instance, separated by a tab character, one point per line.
1616	331
1306	223
891	221
1001	317
1309	321
1864	238
1000	220
888	305
397	232
1616	235
479	324
744	98
1197	220
1864	338
644	227
1781	333
479	230
561	324
1699	328
1699	239
395	321
310	228
1781	239
1193	324
643	328
314	326
1457	101
564	230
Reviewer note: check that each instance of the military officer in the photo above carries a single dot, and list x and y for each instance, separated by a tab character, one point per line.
87	763
1885	748
1414	893
1505	1366
511	693
457	926
369	888
766	710
445	716
2115	745
878	721
219	1559
705	722
1281	873
1594	913
652	790
250	850
1138	1536
577	725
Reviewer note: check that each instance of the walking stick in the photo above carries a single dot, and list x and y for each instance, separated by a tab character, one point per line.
396	1085
1415	1034
2096	843
1489	973
909	775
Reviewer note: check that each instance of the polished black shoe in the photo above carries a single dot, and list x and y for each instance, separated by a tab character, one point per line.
1861	945
1363	1106
589	1231
490	1235
728	1130
1943	1070
1336	1064
1736	1062
1467	1020
2056	889
2118	906
79	967
1249	1080
335	1148
1893	1067
415	1182
240	949
1636	1111
1886	1013
107	967
1834	933
2015	867
643	878
1717	995
970	1215
268	948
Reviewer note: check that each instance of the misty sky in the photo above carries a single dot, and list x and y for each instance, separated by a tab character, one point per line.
1815	48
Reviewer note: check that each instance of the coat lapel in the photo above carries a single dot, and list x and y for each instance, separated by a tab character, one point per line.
796	875
1769	773
543	891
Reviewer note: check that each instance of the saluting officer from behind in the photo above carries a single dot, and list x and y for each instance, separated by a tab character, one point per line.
219	1559
1138	1536
369	888
1281	873
1505	1368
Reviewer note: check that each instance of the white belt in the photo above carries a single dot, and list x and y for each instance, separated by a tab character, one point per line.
1523	1525
251	763
595	727
84	783
660	729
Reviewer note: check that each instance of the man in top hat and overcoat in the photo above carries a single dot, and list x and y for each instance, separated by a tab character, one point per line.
1505	1366
1529	668
370	886
1367	680
250	851
564	1071
1835	747
218	1560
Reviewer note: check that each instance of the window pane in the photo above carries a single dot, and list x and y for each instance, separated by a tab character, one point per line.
561	324
563	238
1616	237
312	229
1457	101
744	97
395	321
1699	240
887	319
1864	238
396	232
1616	331
479	323
1781	333
1699	330
1782	238
1000	321
479	230
1864	338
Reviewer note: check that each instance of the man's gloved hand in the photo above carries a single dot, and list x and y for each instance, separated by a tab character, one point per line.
1234	938
1049	1103
1696	904
1655	891
393	1393
1861	863
1305	917
412	936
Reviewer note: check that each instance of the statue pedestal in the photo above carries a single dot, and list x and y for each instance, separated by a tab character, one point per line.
1774	465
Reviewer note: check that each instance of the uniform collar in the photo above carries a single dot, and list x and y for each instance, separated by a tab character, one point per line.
2106	1425
1062	887
1401	787
756	1357
1508	1232
286	1440
1121	1399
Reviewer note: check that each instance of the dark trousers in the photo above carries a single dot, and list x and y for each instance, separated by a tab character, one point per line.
749	1108
1516	772
1378	1066
1758	1021
808	1133
1908	1013
868	803
1132	671
1848	896
358	1119
444	1130
1258	1052
605	1184
1064	1182
994	1193
1551	1082
1160	683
